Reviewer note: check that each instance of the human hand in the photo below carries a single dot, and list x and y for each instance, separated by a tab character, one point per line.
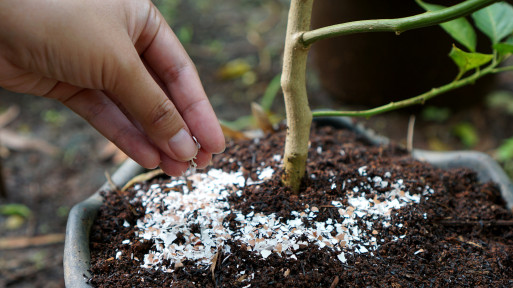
117	64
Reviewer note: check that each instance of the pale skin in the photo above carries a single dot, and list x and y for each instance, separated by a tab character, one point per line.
117	64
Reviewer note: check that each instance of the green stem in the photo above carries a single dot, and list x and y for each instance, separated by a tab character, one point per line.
420	99
502	69
398	25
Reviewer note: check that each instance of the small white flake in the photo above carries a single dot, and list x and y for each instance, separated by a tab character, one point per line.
362	171
342	257
205	206
363	249
266	173
265	253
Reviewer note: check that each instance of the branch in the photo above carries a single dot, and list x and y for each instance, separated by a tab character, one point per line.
420	99
398	25
293	83
502	69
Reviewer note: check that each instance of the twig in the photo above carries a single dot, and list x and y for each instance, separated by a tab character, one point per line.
9	116
420	99
398	25
142	177
262	118
409	136
10	243
16	141
335	282
112	185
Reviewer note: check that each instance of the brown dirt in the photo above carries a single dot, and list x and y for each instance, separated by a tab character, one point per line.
461	235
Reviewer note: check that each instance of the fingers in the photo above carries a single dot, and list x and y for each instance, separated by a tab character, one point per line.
150	107
168	59
107	118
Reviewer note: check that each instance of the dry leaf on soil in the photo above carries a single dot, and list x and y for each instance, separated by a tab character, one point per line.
262	118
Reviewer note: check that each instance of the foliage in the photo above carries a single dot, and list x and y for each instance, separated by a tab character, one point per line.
494	20
505	151
266	102
467	134
504	154
501	100
468	61
15	209
460	29
436	114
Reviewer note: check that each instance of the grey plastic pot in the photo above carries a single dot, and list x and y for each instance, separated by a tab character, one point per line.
81	217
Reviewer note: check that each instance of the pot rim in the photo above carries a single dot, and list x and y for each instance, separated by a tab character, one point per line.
77	257
81	217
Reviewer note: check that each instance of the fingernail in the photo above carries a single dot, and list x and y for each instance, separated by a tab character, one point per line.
183	146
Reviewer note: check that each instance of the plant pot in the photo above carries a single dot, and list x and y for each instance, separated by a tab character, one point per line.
76	258
81	217
373	69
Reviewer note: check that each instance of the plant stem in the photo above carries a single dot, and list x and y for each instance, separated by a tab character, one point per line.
293	82
420	99
503	69
398	25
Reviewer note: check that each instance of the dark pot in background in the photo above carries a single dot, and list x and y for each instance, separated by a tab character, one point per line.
377	68
81	217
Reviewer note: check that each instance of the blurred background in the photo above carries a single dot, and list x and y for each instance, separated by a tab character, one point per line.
51	159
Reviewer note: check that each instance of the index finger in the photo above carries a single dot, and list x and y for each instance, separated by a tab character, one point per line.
169	60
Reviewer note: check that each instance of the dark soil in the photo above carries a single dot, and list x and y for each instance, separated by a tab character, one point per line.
459	236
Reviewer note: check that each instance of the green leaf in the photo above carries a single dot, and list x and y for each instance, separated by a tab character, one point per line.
436	114
467	134
502	100
468	61
460	29
505	151
234	69
15	209
505	47
496	21
270	93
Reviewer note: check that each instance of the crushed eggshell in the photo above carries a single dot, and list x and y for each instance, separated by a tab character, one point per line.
173	209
